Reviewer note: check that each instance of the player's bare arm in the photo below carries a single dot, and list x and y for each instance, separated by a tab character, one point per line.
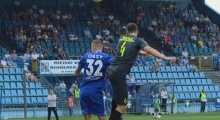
78	71
143	52
155	53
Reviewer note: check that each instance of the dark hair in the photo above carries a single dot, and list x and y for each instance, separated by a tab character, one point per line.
131	27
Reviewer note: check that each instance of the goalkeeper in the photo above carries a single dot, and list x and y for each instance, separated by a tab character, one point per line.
156	106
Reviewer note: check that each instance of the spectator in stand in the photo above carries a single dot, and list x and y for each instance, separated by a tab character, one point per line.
191	6
150	30
7	54
4	63
81	4
62	87
200	43
139	18
159	61
47	55
63	38
27	55
10	63
34	55
138	62
106	32
71	4
17	3
116	21
154	23
14	55
206	19
214	53
185	61
193	38
131	78
89	23
99	36
155	68
66	55
111	17
209	43
185	53
192	67
41	56
87	33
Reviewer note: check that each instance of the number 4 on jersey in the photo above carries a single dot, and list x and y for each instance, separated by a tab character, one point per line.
122	50
91	70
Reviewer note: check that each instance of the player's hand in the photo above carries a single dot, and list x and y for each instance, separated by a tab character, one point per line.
170	58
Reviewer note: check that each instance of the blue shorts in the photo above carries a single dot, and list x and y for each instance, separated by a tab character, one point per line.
92	102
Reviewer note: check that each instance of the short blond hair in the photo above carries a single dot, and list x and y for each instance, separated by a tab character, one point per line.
97	43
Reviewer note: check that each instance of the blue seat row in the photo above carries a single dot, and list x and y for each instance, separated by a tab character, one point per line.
33	92
208	88
11	71
20	100
5	78
19	85
189	96
170	75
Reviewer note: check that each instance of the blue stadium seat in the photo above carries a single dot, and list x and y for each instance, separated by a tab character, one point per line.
204	81
193	81
154	75
20	93
20	100
159	75
148	76
137	75
19	85
45	92
208	95
200	88
182	82
185	88
1	71
190	88
7	93
40	100
216	87
139	81
178	69
1	78
6	78
206	88
141	68
164	75
13	85
199	81
12	70
196	75
14	93
6	71
186	75
182	96
214	95
179	88
29	100
143	76
19	78
7	85
168	69
188	82
28	93
209	81
147	68
173	68
218	94
32	85
187	95
191	75
144	80
175	75
170	75
33	93
211	88
184	69
12	78
195	88
38	85
180	75
177	82
8	101
201	75
193	96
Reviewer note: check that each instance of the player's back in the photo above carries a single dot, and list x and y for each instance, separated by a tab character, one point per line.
127	52
95	65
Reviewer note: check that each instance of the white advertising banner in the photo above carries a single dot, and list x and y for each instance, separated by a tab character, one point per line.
58	66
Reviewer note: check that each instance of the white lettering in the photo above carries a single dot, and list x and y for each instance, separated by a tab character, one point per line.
95	56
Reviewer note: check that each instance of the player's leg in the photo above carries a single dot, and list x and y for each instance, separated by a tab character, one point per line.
85	103
87	117
119	85
114	105
101	117
49	112
55	112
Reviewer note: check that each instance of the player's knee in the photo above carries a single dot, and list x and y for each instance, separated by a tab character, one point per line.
121	109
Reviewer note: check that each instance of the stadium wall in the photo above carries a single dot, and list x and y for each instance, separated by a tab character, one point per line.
205	10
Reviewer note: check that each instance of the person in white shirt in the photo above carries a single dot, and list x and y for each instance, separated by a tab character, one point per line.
193	38
71	3
87	33
106	32
34	55
7	54
98	36
206	19
34	6
27	55
4	63
64	16
17	3
41	11
81	4
52	104
111	17
194	28
164	99
49	25
62	87
72	88
10	63
192	68
185	53
95	17
154	22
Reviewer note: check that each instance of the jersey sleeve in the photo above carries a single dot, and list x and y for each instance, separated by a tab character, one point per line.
109	60
142	44
81	62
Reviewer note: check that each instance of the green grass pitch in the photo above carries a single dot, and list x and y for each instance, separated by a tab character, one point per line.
181	116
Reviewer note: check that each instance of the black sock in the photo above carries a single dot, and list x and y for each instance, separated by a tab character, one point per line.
114	106
115	115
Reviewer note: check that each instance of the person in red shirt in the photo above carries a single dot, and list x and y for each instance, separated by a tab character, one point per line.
71	104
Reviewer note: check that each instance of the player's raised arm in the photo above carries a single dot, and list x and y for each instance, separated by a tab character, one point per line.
155	53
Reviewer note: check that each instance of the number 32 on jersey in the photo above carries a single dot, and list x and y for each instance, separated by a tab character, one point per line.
94	67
